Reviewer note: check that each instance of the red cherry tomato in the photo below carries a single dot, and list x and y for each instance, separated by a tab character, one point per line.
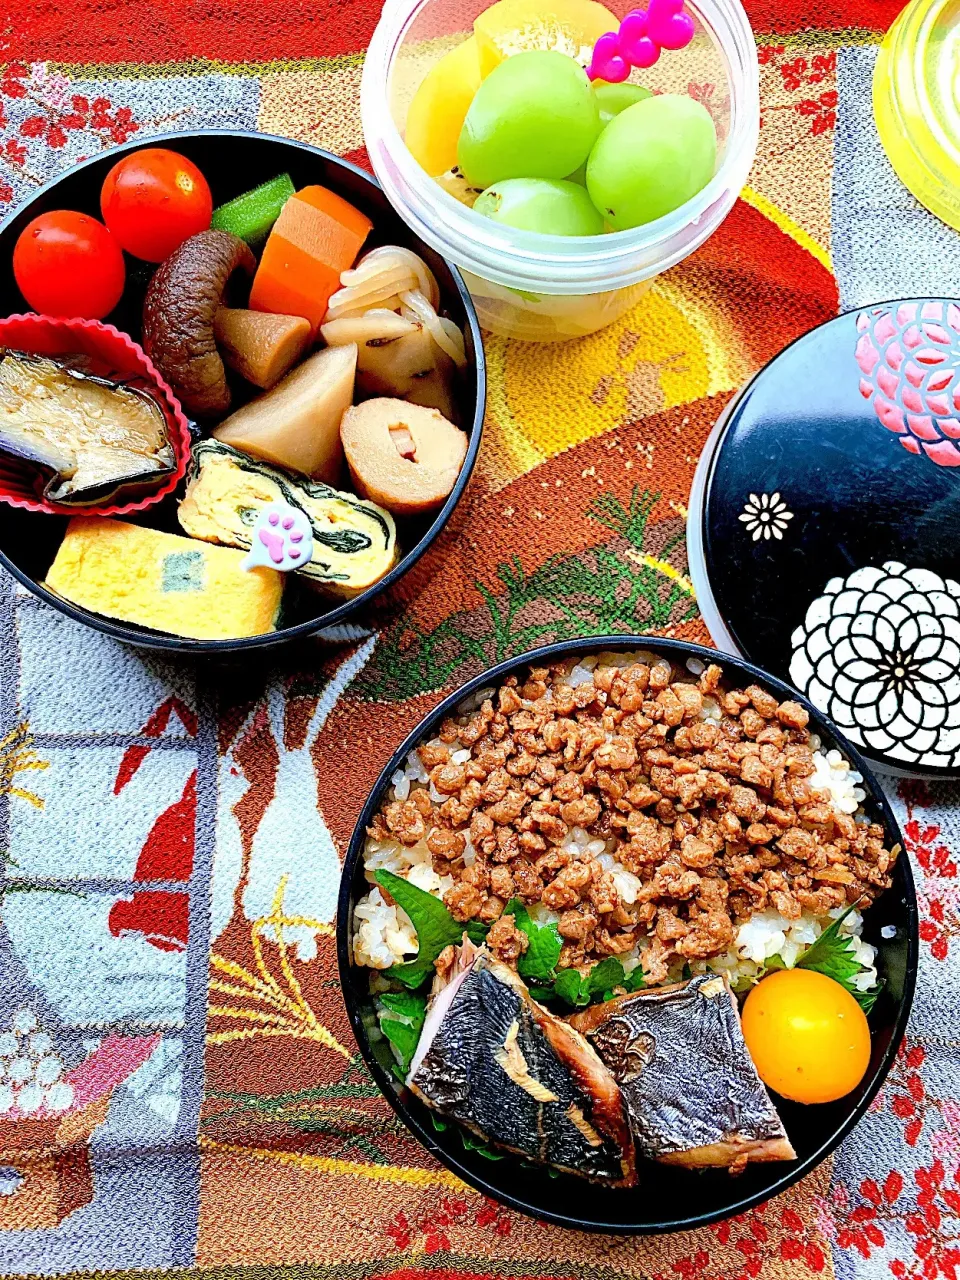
153	200
68	264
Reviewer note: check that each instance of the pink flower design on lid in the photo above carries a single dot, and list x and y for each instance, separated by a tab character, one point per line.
909	356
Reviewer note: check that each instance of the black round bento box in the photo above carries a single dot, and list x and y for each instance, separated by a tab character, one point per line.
824	528
666	1198
233	161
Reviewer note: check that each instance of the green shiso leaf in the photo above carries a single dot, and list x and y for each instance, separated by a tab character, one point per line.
833	955
407	1006
571	988
434	925
472	1143
401	1015
605	976
538	962
635	980
601	983
469	1139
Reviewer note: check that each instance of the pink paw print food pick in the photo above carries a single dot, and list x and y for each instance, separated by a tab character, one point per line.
282	539
642	35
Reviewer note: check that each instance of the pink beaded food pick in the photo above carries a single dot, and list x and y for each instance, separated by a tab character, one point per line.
607	63
642	35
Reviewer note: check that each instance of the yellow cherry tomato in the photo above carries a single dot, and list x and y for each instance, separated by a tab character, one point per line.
808	1037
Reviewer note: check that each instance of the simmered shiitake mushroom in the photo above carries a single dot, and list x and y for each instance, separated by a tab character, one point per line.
182	300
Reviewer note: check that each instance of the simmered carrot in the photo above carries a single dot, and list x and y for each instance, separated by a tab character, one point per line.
339	210
317	236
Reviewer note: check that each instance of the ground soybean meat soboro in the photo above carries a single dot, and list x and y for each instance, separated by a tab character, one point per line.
699	790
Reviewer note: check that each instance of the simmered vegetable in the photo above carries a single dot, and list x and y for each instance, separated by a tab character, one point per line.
252	215
297	423
396	355
88	437
261	347
316	237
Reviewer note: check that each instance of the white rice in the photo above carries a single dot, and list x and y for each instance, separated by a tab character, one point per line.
385	935
833	774
475	701
767	934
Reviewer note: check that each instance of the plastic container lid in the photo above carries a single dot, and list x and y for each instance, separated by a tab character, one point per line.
824	528
916	102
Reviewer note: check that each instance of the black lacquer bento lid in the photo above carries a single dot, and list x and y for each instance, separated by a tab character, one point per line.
824	528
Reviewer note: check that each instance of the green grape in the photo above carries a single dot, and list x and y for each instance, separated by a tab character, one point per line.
547	205
614	98
534	116
650	159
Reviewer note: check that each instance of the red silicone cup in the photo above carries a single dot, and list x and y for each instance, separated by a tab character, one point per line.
112	354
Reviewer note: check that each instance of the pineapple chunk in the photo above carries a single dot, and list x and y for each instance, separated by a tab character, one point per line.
515	26
439	106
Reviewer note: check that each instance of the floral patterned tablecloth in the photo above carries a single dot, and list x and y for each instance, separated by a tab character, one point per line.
165	825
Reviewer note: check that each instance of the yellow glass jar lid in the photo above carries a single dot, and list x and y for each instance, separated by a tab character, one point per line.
916	103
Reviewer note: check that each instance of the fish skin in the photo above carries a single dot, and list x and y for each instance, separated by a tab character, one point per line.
506	1068
692	1092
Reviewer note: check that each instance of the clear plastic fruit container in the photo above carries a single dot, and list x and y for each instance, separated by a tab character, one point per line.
547	288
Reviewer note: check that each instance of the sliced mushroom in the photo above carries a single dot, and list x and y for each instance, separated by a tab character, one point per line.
182	301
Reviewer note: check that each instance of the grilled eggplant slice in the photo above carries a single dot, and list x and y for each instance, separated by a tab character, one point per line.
87	436
493	1059
692	1092
354	541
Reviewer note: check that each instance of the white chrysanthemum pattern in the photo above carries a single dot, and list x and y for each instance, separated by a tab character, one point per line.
766	516
879	652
